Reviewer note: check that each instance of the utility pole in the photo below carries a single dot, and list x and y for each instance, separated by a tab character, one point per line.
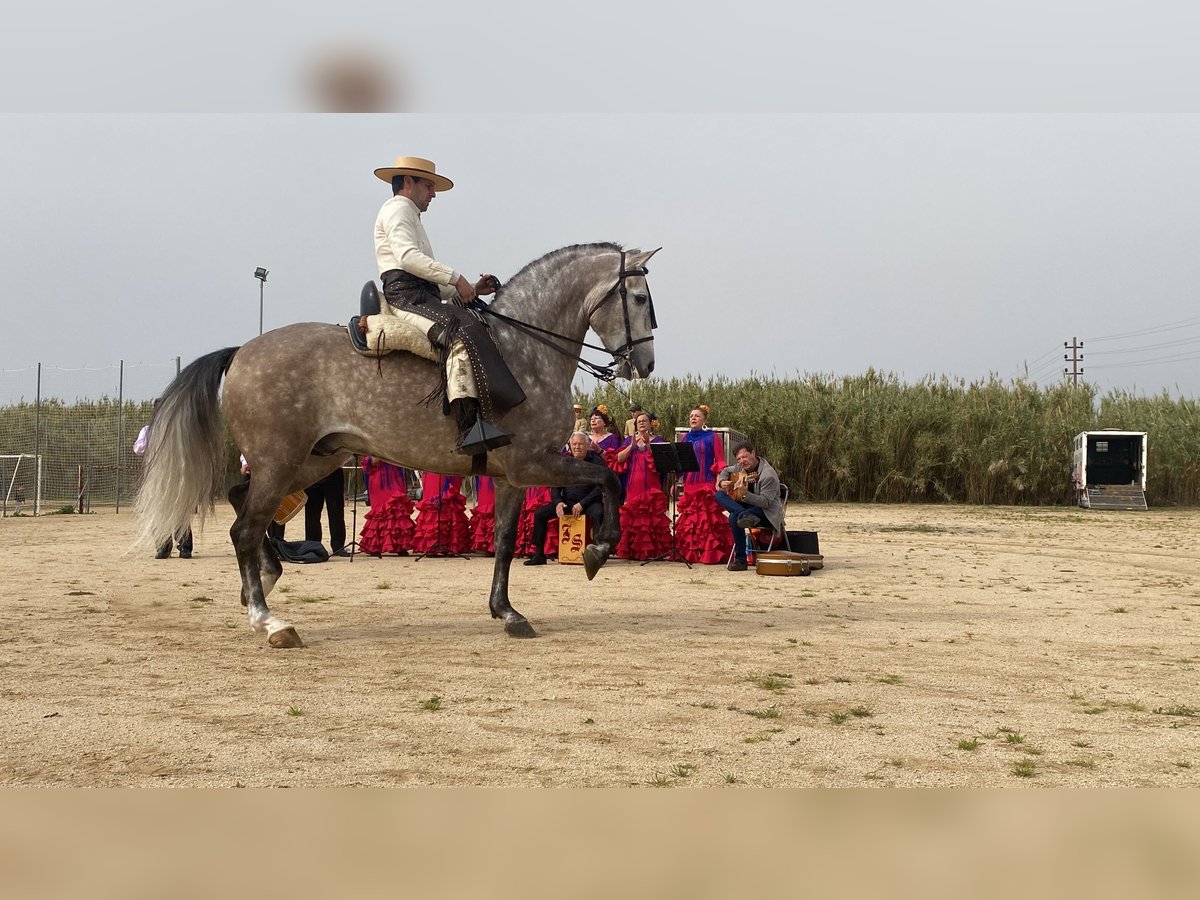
1074	358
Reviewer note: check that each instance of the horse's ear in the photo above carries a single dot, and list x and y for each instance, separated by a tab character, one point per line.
639	258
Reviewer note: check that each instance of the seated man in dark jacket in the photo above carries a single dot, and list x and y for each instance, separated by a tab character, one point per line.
571	500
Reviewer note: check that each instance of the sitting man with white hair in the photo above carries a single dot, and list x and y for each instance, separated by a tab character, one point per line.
573	500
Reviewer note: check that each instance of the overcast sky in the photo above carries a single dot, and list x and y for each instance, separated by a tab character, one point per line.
917	244
928	188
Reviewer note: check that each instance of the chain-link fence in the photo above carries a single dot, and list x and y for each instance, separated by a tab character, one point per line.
66	434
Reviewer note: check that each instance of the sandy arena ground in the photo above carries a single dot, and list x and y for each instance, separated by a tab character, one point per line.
939	646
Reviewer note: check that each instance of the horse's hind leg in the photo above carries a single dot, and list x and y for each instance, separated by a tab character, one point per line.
508	507
260	568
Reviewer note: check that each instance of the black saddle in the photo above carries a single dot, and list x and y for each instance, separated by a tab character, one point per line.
368	300
368	305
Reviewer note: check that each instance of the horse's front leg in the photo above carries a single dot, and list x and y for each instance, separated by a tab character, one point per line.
256	559
608	535
508	508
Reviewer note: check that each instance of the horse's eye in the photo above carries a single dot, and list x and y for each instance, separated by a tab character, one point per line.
640	298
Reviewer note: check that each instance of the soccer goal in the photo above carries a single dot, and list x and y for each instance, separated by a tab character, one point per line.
20	484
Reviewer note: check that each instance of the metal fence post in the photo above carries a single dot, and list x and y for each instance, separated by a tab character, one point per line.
37	444
120	427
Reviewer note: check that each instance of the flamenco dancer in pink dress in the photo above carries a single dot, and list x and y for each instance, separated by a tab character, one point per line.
388	526
701	529
645	526
535	499
482	524
441	516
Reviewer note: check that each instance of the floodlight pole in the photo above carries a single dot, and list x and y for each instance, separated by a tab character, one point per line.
261	274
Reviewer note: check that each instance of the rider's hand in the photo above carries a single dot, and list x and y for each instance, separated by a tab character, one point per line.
487	284
466	291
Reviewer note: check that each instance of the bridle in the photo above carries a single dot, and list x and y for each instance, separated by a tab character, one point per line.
624	352
622	356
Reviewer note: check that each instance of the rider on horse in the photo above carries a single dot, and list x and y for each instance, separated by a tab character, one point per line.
428	311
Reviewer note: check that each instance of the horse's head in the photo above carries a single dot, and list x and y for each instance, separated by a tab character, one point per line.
624	317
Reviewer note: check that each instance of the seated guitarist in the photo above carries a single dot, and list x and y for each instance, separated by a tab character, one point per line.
749	492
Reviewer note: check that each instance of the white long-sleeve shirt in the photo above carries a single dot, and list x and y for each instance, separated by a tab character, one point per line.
401	243
143	438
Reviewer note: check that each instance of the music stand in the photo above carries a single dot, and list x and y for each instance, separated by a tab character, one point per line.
674	459
439	548
352	544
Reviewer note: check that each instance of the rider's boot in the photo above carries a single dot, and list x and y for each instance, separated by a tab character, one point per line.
475	434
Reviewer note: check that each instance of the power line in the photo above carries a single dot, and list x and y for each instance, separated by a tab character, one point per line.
1154	329
1161	346
1030	369
1044	371
1148	362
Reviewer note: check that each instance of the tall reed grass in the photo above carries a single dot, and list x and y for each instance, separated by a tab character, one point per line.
872	437
867	437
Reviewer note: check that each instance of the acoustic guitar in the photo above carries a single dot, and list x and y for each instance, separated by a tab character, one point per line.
739	484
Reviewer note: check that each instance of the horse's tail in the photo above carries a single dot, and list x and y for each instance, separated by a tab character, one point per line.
185	455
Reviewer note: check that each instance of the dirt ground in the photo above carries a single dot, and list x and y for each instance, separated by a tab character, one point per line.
939	646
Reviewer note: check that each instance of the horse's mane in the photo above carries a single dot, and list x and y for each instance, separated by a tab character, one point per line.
553	255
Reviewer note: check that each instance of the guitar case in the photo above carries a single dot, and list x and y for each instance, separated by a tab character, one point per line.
787	562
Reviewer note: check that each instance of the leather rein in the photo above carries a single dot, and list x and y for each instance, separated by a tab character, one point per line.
620	356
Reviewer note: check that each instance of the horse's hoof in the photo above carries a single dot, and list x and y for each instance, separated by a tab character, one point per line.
519	628
285	639
593	559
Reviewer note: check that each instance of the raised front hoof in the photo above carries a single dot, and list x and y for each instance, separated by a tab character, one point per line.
518	626
594	556
285	639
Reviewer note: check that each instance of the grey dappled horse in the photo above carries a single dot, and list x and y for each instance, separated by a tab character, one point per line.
299	399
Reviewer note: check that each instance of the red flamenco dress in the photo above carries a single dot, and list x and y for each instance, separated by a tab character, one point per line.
645	526
388	526
701	528
535	499
441	516
482	525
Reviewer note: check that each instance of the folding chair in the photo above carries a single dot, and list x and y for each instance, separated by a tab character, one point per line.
777	535
781	534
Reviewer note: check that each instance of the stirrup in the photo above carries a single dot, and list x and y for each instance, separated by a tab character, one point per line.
482	437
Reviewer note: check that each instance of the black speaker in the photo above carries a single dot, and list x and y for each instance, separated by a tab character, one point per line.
804	542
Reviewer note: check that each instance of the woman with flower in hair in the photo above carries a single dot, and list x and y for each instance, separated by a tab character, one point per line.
606	440
645	526
701	529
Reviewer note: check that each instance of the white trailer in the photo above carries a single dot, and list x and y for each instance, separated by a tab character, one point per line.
1109	470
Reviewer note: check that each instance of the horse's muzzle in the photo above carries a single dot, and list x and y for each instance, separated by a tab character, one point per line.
639	363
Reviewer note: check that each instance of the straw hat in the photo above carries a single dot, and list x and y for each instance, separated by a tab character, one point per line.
414	165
